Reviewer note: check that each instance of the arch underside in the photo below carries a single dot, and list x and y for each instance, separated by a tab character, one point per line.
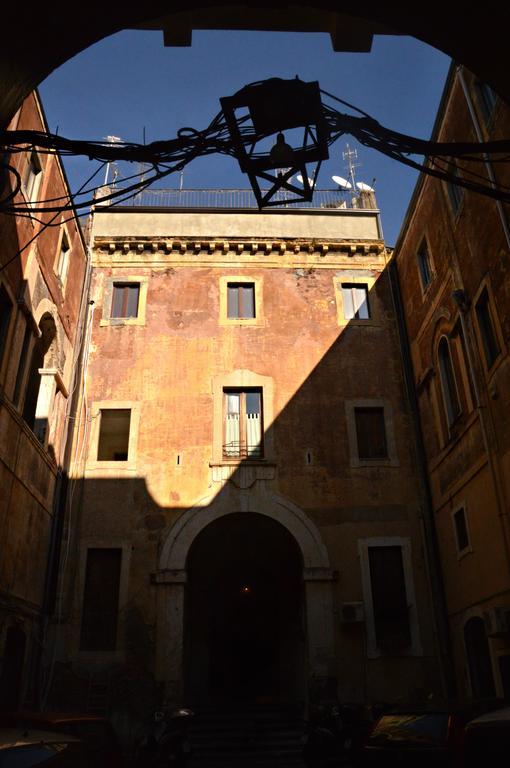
31	51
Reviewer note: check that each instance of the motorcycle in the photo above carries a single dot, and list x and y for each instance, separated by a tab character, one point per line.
166	743
333	735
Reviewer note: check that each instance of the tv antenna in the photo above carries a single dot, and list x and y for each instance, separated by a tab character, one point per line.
111	140
349	156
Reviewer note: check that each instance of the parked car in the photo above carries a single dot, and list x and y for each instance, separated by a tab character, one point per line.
96	732
408	736
487	739
29	748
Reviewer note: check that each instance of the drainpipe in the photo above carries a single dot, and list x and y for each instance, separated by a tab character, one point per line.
433	562
487	163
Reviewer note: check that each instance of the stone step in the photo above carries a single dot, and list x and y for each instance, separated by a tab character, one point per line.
247	737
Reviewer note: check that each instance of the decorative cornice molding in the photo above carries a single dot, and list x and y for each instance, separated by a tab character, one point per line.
192	246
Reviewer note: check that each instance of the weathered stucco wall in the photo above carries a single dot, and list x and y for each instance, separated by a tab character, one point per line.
313	365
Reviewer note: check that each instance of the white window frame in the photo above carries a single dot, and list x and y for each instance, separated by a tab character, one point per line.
373	651
61	266
31	191
361	279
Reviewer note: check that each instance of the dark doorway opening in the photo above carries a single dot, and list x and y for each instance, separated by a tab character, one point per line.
244	631
11	676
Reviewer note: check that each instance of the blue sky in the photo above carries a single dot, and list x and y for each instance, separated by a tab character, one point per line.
129	82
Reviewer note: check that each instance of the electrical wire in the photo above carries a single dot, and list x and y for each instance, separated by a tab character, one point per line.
165	157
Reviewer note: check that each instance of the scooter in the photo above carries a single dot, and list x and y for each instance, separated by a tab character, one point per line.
166	744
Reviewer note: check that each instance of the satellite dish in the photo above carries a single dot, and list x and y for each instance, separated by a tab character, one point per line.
343	183
301	180
363	187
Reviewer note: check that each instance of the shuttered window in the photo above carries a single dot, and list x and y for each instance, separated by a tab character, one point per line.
125	300
491	347
355	299
448	383
389	598
5	318
424	264
371	433
101	600
241	300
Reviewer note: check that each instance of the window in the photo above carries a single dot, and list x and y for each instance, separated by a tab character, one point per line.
479	659
389	598
241	300
371	433
32	177
490	344
62	264
38	404
113	443
448	384
455	192
242	424
461	530
486	98
424	266
355	301
101	600
27	337
125	300
5	318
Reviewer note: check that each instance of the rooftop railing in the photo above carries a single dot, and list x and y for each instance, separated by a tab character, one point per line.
244	198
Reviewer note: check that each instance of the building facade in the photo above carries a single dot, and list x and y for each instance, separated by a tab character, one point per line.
453	259
43	261
247	521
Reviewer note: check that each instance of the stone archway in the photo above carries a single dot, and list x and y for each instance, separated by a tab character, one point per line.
30	52
172	577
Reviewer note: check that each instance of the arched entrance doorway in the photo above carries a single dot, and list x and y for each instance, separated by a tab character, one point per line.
178	555
244	623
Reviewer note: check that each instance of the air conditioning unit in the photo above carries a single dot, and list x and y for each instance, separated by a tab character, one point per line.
351	613
497	621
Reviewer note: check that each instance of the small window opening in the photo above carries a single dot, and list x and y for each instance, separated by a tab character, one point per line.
125	300
114	434
241	300
355	298
371	433
461	531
